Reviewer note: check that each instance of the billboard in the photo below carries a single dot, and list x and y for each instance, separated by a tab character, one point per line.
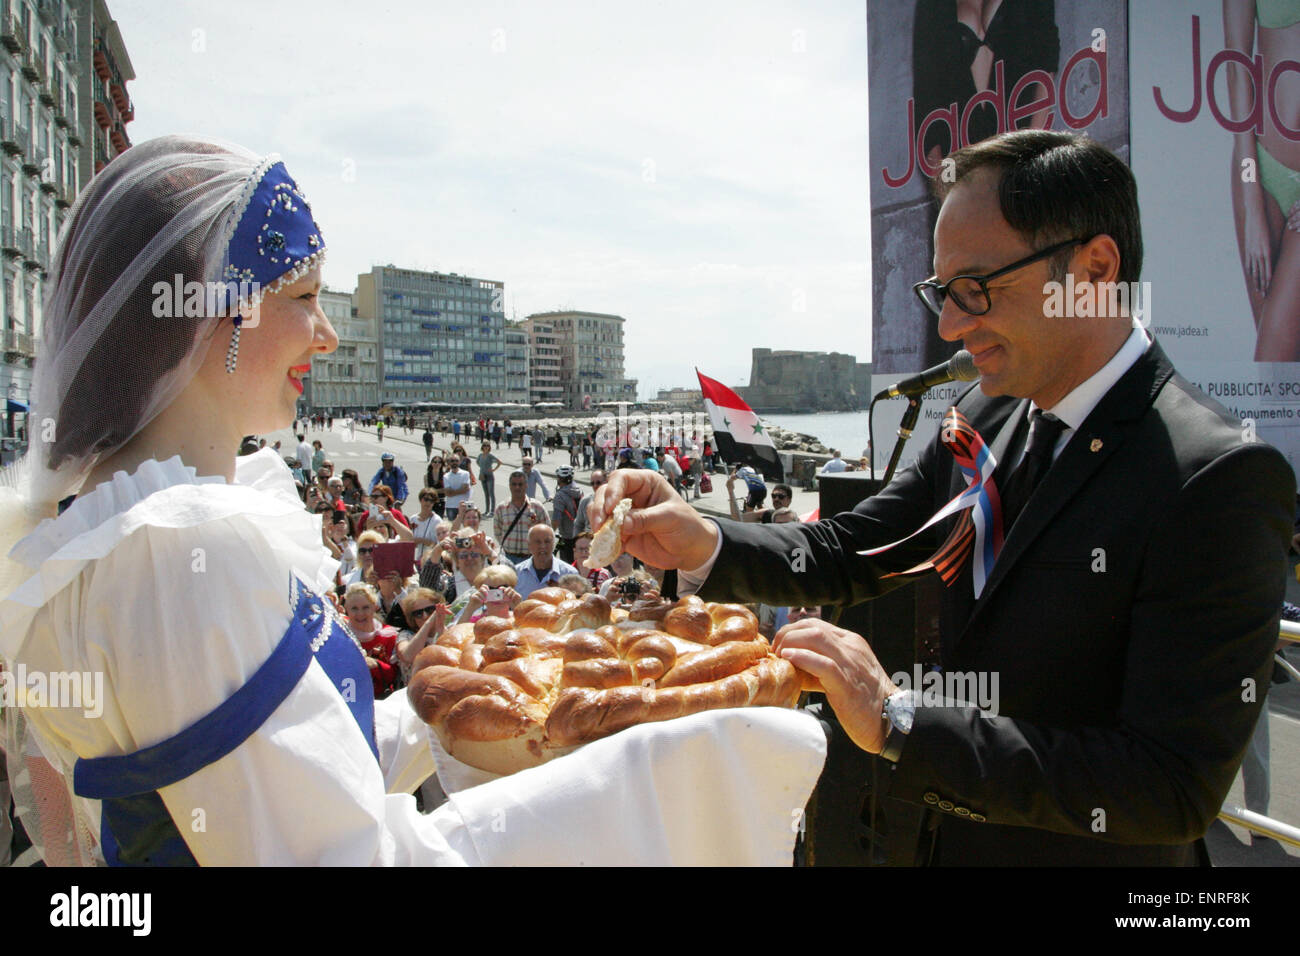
1216	151
964	76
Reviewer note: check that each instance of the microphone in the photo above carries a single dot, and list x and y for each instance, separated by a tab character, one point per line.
959	368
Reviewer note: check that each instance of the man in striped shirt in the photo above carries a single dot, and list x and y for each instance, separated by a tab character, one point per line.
512	520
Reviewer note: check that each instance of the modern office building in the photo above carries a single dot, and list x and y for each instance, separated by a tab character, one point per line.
63	114
347	378
441	337
517	352
590	349
543	361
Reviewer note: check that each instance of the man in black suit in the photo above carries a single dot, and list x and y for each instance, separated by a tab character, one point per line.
1130	615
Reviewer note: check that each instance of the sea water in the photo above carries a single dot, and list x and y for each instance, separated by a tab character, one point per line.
846	431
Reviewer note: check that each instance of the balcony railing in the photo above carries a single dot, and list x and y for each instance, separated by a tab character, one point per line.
48	11
10	34
9	242
25	244
38	65
31	161
13	138
18	343
102	68
33	257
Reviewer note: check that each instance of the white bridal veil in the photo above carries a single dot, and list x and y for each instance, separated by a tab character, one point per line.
107	363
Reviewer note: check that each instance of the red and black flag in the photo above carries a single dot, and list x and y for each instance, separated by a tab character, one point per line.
738	433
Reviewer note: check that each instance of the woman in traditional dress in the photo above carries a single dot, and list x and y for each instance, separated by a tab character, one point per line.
236	723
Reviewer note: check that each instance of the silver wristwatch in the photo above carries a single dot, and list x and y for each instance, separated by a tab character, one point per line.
899	712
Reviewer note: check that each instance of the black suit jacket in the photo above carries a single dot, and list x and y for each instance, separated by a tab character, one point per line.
1130	621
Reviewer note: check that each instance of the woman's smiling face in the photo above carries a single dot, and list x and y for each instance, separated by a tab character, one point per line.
360	611
273	355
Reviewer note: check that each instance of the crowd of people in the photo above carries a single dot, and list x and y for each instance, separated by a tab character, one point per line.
686	461
405	574
1120	721
465	562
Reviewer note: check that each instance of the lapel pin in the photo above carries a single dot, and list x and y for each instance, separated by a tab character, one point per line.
1096	445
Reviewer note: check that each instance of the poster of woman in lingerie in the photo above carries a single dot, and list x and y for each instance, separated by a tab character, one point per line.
1216	148
1266	166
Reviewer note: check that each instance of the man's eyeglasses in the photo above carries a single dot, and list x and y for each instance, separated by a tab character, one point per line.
971	292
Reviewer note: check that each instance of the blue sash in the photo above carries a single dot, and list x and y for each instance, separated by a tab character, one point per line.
135	827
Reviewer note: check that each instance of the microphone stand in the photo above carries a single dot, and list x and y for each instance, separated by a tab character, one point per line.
905	427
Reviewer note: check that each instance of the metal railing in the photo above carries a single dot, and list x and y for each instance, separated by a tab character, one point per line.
1258	823
11	33
20	342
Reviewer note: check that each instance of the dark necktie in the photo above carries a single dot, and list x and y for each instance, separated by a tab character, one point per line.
1044	430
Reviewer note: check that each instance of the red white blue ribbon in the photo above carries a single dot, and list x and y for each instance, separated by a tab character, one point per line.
978	533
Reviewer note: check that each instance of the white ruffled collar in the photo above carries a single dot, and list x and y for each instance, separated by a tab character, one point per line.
116	498
166	494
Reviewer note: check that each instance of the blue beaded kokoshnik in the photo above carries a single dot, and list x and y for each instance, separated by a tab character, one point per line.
275	240
135	826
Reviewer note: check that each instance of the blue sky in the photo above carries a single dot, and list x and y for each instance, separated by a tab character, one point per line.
698	168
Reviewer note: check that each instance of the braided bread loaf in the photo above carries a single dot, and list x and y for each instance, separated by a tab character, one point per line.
503	695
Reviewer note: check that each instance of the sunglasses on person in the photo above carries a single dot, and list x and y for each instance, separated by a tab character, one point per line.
971	292
419	612
779	496
365	550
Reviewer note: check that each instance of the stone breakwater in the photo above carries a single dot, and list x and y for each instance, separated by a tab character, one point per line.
786	440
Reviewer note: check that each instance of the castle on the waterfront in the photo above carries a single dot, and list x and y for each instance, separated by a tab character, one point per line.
791	382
